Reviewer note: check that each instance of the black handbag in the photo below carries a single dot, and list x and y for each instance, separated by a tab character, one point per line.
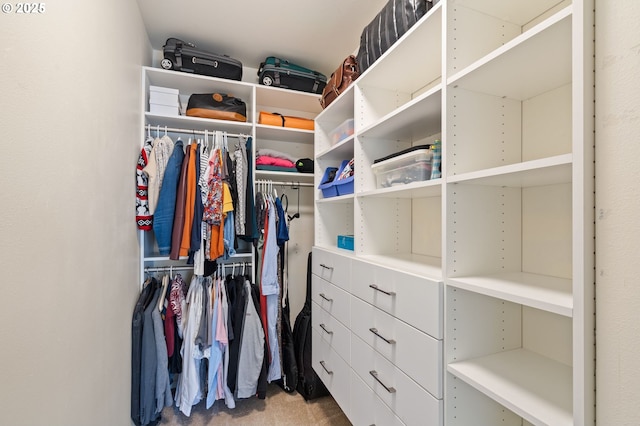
219	106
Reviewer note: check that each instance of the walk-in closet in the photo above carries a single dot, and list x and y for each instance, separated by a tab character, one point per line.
383	212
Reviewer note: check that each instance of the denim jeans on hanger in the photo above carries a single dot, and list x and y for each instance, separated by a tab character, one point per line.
163	216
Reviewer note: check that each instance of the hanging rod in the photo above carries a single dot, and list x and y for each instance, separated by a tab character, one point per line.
190	268
292	184
191	131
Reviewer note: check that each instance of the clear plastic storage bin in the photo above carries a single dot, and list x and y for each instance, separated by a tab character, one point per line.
406	168
342	132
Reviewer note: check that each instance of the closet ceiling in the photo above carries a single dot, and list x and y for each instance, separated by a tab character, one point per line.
317	34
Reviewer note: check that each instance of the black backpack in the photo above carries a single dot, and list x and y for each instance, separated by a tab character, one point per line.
309	384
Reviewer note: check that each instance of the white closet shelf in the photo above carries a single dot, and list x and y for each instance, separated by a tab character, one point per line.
274	98
551	294
197	123
428	188
414	60
545	171
514	12
284	134
342	150
194	83
531	64
286	176
415	120
340	109
532	386
341	199
424	266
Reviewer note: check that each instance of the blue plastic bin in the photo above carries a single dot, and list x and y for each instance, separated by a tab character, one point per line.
344	186
328	189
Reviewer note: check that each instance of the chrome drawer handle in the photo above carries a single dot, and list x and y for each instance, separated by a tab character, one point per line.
325	368
326	267
324	328
325	297
376	288
374	373
375	331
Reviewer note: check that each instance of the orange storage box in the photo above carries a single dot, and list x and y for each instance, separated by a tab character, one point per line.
275	119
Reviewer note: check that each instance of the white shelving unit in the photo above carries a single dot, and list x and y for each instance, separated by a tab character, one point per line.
507	230
297	143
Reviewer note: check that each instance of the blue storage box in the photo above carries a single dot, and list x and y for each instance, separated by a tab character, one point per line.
344	186
328	189
345	242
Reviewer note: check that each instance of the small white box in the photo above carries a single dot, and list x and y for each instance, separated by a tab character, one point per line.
163	96
164	109
406	168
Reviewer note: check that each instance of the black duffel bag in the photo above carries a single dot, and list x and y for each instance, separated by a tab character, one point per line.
395	19
219	106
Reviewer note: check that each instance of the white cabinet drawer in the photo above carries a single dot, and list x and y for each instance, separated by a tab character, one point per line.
332	370
415	300
331	298
414	352
333	267
367	409
331	330
407	399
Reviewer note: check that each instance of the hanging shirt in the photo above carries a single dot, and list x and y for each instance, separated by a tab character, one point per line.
144	218
179	215
252	348
269	277
163	216
161	153
190	199
188	392
216	354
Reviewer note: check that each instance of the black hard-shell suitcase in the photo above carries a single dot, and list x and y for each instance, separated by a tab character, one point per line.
182	56
281	73
395	19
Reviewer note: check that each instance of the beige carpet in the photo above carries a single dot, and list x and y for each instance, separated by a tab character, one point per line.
279	408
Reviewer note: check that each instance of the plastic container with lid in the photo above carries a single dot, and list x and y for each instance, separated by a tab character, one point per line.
342	132
407	167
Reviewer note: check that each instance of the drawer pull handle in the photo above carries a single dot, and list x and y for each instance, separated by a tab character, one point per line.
325	368
326	267
324	328
375	331
376	288
374	373
325	297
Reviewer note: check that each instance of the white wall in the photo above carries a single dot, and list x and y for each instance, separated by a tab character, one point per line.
618	212
70	125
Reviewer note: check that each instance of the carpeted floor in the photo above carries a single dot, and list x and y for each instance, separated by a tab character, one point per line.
279	408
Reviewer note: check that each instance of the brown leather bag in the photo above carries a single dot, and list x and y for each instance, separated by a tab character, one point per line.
347	73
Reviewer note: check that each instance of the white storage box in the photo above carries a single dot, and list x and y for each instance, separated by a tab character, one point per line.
163	95
164	100
342	132
405	168
164	109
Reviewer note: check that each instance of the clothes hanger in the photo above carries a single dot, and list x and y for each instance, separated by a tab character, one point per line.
163	294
